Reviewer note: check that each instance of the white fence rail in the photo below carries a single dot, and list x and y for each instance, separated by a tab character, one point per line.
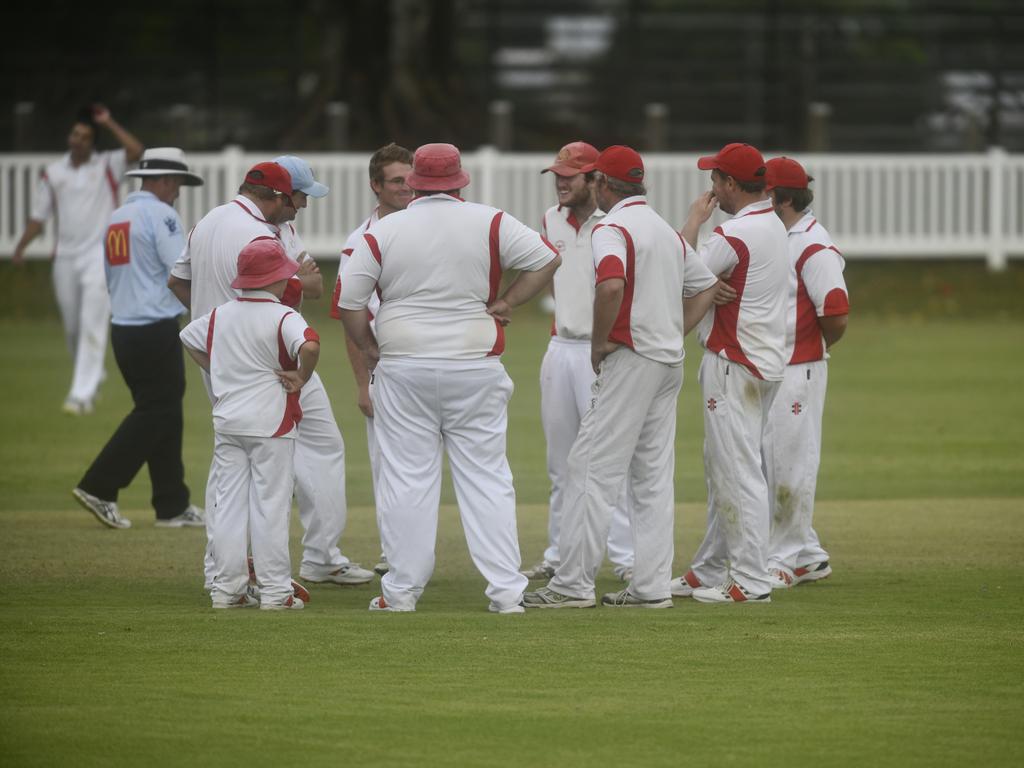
889	206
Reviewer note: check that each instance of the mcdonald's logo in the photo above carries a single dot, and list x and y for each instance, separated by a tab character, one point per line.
118	244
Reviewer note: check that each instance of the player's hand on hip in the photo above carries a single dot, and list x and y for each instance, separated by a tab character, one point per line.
500	311
364	402
292	381
599	351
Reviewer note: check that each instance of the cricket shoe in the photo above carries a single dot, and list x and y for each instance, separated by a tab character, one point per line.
623	573
780	578
382	567
298	590
74	407
517	608
815	572
684	585
292	603
105	511
238	601
542	570
190	518
545	597
730	592
380	604
624	599
347	574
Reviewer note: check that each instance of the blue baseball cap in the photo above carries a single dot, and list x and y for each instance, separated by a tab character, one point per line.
302	176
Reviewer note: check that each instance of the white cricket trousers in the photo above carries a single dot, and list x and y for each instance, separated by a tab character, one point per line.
81	288
465	404
253	505
736	409
628	431
319	482
792	456
566	380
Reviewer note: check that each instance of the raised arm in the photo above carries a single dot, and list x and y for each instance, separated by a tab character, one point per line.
132	146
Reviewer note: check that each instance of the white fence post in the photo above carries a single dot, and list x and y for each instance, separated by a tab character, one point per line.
996	256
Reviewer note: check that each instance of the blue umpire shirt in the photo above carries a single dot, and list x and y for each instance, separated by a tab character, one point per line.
144	239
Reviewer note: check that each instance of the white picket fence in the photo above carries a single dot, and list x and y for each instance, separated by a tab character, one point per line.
875	206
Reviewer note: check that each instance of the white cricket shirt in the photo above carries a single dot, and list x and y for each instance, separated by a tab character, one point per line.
751	249
247	339
574	280
634	243
816	289
346	253
80	199
437	265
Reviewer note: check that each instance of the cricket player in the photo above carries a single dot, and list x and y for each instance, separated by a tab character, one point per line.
259	354
80	192
439	379
389	167
817	310
650	291
566	377
739	376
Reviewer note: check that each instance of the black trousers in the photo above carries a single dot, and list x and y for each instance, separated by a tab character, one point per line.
152	362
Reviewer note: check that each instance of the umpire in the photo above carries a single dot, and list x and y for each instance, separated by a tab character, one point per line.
144	239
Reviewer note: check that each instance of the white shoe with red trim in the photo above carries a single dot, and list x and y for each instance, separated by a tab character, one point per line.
815	572
730	592
291	604
781	578
380	604
684	585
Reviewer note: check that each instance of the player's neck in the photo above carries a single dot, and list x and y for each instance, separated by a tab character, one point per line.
583	212
789	216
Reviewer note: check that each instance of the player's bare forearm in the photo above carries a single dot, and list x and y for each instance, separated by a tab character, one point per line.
361	374
133	148
309	356
357	328
202	359
529	284
695	307
832	328
607	301
700	211
32	230
182	290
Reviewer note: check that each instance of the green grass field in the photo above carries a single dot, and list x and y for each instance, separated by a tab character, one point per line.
912	653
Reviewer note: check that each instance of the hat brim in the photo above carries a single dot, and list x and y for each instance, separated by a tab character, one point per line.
316	189
559	169
437	183
189	180
707	163
287	269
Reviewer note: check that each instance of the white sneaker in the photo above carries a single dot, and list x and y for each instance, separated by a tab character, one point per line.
730	592
815	572
74	407
542	570
624	599
105	511
292	603
517	608
192	517
238	601
350	573
379	604
545	597
780	578
684	585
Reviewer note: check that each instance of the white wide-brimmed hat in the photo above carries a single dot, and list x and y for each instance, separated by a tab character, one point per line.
165	161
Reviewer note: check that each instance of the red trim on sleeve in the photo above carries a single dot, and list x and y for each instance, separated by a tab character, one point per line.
292	296
723	334
609	269
836	303
494	245
209	334
310	335
374	246
292	409
622	332
549	245
335	309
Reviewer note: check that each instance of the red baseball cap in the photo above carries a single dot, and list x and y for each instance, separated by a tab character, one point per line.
741	161
437	168
619	162
263	262
272	176
785	172
571	159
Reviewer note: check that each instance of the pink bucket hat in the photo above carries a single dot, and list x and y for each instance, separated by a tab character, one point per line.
263	262
437	168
